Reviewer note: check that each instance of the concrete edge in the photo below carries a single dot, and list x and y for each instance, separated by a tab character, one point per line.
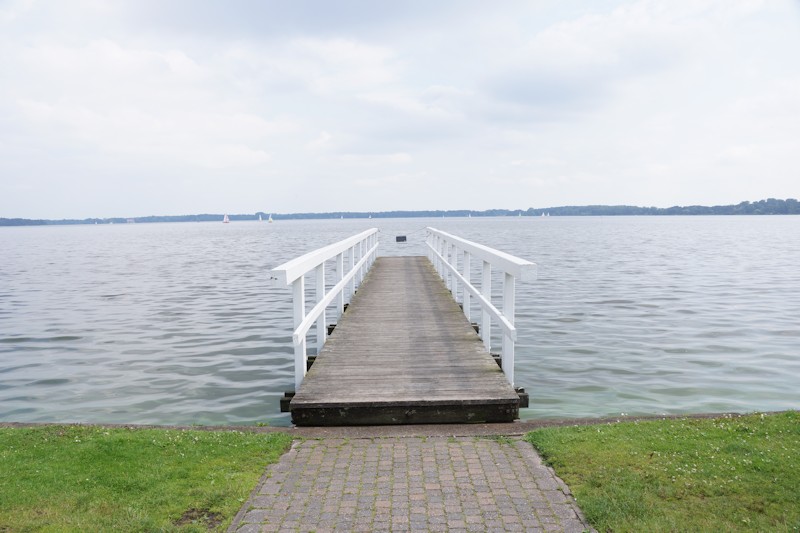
532	455
516	428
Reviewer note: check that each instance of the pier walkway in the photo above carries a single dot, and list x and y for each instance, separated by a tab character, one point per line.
403	353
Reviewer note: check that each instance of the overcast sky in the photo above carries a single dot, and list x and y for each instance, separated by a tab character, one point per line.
147	107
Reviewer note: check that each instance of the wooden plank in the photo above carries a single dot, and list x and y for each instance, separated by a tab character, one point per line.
403	353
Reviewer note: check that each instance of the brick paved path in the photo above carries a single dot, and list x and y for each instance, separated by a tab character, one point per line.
410	483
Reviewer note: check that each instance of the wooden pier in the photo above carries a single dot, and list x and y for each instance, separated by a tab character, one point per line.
403	353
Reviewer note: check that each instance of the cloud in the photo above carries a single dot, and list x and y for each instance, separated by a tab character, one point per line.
340	64
142	102
575	66
321	142
277	21
231	155
322	66
627	101
391	181
13	9
376	159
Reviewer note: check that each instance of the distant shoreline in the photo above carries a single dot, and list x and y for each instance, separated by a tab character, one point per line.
770	206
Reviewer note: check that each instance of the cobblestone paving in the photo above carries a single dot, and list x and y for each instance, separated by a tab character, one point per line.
410	484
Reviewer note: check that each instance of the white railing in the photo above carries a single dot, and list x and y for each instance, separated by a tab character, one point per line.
360	251
444	251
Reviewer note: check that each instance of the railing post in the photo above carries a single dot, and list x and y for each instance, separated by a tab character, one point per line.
299	313
438	262
454	259
443	270
339	276
507	355
436	247
322	331
454	262
466	272
360	256
445	274
444	260
486	292
449	255
352	255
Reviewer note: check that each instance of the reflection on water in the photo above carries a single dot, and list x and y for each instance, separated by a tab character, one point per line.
177	323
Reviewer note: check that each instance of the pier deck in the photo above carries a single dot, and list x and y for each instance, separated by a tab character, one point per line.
403	353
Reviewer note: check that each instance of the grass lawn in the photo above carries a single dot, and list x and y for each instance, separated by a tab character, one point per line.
71	478
723	474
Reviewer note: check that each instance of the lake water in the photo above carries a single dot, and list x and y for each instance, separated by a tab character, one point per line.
178	324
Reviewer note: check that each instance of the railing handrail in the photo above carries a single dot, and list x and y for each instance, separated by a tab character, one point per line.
321	305
521	269
507	326
292	273
285	274
444	252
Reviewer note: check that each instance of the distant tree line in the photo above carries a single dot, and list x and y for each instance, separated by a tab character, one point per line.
770	206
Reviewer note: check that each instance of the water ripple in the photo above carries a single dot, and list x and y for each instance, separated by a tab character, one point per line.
177	323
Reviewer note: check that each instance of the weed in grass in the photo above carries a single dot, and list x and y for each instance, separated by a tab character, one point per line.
202	517
725	474
502	439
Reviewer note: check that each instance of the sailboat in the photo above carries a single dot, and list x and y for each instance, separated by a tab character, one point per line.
259	217
269	220
225	219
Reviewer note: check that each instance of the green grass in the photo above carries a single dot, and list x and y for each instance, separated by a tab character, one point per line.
78	478
724	474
